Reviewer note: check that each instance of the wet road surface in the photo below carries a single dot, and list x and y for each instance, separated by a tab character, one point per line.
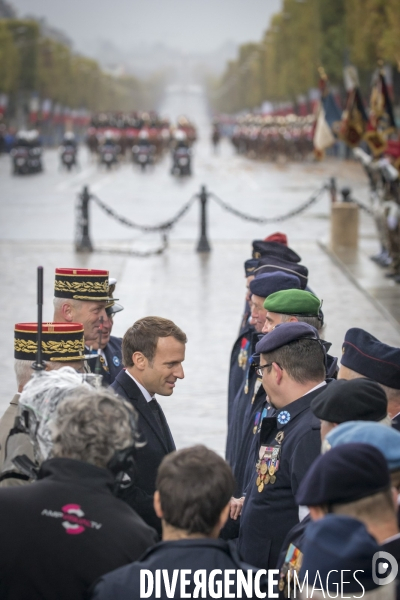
204	295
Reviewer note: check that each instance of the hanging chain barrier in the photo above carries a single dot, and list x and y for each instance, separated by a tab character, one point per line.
167	225
347	197
264	220
83	242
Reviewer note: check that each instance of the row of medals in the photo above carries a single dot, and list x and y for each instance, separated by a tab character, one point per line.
266	475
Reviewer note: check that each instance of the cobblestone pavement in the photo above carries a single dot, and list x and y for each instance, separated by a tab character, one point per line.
203	294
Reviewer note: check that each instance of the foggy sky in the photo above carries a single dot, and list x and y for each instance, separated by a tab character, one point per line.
189	25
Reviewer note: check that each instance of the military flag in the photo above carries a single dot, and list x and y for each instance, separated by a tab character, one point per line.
354	117
381	121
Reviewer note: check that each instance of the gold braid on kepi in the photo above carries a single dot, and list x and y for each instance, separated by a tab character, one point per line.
82	284
61	342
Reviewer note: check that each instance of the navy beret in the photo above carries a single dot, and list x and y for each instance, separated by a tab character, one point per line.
250	266
335	544
272	263
366	355
344	474
262	248
354	400
386	439
268	283
283	334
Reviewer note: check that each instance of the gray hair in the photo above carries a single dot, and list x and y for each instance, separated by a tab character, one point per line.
23	370
314	321
91	425
40	399
59	302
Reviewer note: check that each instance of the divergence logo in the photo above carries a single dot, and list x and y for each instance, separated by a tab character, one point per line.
384	568
73	519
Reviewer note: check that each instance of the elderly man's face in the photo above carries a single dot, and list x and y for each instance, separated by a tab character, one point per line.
258	312
89	313
159	376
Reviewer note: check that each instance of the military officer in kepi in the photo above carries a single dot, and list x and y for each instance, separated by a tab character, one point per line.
83	296
62	346
110	352
293	370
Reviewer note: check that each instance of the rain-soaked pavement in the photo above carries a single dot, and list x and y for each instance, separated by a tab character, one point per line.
203	294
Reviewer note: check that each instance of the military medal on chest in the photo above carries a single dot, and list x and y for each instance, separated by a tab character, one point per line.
244	353
257	386
267	466
258	420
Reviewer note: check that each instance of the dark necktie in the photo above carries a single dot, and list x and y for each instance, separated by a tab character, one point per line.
155	409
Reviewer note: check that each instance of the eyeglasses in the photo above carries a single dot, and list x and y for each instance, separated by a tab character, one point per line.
259	368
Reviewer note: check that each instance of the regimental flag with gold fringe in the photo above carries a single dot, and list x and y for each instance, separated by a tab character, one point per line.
381	123
328	118
354	118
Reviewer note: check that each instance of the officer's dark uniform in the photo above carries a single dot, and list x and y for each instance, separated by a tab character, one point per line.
113	354
241	403
292	437
237	370
193	554
240	353
72	530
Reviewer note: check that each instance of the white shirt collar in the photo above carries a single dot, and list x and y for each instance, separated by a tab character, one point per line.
315	388
145	393
391	539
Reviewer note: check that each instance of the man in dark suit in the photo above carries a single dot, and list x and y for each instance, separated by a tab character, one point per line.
153	350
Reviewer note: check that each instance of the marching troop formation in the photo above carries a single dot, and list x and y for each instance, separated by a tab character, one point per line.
273	137
91	480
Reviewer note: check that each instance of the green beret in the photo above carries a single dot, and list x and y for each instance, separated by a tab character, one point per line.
293	302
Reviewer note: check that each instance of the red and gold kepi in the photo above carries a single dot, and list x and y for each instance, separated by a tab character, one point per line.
61	342
82	284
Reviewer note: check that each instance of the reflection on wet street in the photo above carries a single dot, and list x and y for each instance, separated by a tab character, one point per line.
204	295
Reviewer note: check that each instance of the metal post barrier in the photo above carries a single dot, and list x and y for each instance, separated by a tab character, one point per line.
333	189
83	242
203	245
346	195
344	223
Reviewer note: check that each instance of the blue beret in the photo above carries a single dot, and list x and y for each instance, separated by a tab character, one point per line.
366	355
262	248
334	544
283	334
272	263
250	266
385	439
268	283
344	474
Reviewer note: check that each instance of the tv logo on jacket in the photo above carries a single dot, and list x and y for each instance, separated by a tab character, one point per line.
73	519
